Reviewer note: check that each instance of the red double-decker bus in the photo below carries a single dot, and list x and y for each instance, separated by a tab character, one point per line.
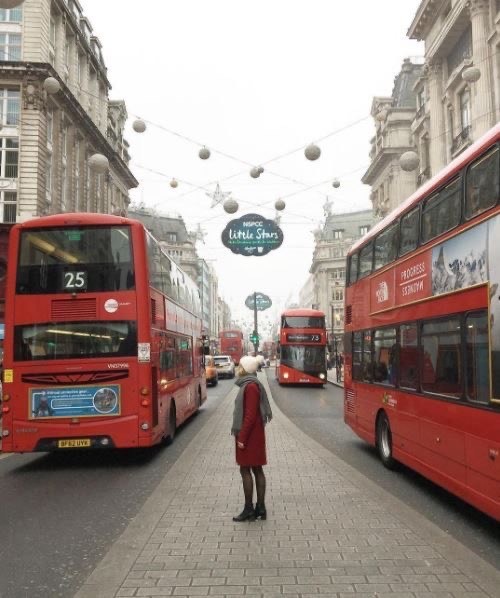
302	347
422	333
103	342
231	343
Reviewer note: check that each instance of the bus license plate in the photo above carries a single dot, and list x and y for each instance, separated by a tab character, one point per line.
74	443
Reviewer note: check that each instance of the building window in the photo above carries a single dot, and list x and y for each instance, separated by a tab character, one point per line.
338	274
172	237
64	142
10	103
465	111
337	234
52	40
11	15
64	185
9	157
10	46
50	127
9	206
48	178
338	295
363	230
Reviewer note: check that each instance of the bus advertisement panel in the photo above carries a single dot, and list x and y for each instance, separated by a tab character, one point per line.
103	340
422	312
302	347
231	343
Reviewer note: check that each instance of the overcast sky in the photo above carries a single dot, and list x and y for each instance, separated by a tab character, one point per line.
255	82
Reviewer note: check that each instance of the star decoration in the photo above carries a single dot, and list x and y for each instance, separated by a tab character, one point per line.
218	196
200	234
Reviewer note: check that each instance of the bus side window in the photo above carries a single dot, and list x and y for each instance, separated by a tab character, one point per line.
408	239
483	182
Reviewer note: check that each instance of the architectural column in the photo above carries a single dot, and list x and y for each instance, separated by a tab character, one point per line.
483	116
437	125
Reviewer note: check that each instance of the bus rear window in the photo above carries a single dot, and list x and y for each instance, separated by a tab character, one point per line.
75	340
79	260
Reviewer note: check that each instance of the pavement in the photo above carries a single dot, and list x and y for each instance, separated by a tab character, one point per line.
330	531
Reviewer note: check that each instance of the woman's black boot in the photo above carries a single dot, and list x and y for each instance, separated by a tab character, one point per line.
248	514
260	511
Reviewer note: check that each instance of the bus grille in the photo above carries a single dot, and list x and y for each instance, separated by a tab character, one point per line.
348	314
66	379
69	309
349	401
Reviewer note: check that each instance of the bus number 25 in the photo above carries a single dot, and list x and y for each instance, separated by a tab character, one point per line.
75	280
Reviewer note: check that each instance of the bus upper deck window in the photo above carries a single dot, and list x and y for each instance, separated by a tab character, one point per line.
482	186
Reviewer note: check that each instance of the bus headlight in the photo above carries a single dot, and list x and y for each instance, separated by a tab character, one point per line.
5	432
322	376
285	375
145	426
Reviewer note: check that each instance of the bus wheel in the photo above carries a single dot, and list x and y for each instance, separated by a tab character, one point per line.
172	426
384	442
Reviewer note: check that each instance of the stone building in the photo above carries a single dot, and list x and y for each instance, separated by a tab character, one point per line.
451	100
454	109
393	117
332	242
173	236
48	133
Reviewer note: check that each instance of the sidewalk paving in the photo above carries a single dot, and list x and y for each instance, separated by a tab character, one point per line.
330	531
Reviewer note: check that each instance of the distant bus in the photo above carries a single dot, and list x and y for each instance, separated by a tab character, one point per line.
422	330
103	342
231	343
302	347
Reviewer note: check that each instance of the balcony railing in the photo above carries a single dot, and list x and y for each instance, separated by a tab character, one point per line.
462	139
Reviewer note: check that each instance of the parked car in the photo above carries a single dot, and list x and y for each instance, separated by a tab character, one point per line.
211	374
225	366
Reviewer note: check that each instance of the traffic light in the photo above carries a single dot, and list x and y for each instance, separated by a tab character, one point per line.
254	338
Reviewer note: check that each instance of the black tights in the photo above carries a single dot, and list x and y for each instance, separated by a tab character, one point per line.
260	483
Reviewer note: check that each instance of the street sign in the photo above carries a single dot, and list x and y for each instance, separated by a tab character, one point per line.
262	301
252	234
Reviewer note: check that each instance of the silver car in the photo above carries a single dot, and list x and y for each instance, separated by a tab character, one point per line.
224	365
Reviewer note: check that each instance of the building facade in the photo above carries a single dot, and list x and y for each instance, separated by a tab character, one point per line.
393	117
451	100
332	242
49	132
180	245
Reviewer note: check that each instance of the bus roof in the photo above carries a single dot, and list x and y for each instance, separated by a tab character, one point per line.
77	218
302	311
435	182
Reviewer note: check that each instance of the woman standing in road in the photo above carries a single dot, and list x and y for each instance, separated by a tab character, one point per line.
251	412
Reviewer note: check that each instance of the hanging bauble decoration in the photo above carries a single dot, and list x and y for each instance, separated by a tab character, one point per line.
409	161
471	74
312	152
204	153
255	172
98	163
230	206
51	85
139	125
336	183
260	169
174	183
10	3
279	204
